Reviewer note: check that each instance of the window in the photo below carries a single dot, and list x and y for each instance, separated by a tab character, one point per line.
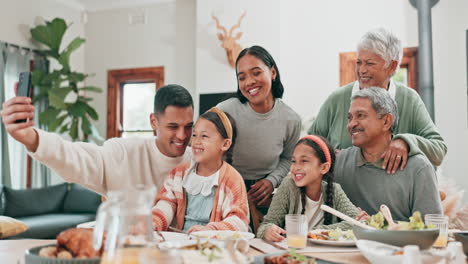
136	108
407	74
130	98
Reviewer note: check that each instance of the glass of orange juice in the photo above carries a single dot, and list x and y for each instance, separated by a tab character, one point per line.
296	230
441	222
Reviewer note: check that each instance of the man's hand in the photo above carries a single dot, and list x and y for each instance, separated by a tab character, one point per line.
260	192
274	233
20	107
396	154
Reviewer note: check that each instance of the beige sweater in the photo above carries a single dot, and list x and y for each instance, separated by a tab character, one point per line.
118	164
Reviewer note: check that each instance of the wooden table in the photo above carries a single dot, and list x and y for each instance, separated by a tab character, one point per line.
12	251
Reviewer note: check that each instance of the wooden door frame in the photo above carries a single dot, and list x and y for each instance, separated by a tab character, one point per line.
115	81
408	61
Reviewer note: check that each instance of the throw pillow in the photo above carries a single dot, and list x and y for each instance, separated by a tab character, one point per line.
11	227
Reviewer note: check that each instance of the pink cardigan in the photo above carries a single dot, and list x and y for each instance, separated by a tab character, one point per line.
230	209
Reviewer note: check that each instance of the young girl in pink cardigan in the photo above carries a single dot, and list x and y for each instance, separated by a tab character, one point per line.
208	194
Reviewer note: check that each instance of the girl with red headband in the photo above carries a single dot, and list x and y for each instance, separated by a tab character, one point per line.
308	186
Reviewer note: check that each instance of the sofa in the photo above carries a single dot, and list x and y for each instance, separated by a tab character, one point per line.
50	210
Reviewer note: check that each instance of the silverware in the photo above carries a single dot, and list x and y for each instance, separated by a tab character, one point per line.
388	216
161	235
345	217
173	229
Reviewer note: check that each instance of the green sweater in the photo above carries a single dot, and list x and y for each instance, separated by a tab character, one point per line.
415	126
288	198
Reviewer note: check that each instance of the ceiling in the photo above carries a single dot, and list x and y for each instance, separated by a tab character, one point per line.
96	5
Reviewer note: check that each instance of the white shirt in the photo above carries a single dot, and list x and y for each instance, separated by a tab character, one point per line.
117	165
313	213
391	88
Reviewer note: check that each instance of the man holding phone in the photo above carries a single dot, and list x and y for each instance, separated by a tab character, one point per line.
121	162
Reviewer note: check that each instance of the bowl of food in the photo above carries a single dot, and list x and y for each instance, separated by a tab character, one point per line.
225	238
74	246
414	232
463	238
51	254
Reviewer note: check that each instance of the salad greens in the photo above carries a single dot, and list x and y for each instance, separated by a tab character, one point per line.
415	222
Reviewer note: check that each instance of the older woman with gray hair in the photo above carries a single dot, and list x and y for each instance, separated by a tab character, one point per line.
379	55
372	117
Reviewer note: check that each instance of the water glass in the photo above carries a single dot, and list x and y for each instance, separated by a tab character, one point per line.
296	230
441	222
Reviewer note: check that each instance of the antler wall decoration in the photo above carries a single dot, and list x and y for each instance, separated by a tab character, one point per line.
229	41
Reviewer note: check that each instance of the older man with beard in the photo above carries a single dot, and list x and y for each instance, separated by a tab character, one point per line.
372	118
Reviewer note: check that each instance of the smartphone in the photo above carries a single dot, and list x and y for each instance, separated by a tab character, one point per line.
24	88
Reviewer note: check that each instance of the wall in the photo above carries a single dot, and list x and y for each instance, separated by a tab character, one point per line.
18	16
165	40
449	23
260	27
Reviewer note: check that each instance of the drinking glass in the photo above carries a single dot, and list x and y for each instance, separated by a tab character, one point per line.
440	222
296	230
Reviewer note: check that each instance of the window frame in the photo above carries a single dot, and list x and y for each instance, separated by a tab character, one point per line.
115	82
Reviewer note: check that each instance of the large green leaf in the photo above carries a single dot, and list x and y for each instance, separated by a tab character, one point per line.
86	126
50	34
84	98
74	129
48	116
78	109
76	77
91	89
64	58
37	76
57	123
57	97
91	112
64	128
51	78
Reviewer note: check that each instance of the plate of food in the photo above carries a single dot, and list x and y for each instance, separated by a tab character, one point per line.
192	251
222	235
337	237
74	246
291	257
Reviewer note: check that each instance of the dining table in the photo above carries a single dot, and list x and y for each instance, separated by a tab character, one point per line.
12	251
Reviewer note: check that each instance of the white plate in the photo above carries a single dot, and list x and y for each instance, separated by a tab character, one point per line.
171	236
344	243
176	244
222	235
87	225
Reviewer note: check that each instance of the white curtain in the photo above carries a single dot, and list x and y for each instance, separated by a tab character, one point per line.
17	60
40	174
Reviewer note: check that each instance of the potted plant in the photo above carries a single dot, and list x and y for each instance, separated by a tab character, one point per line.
72	116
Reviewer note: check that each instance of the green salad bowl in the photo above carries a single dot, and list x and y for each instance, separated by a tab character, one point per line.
422	238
